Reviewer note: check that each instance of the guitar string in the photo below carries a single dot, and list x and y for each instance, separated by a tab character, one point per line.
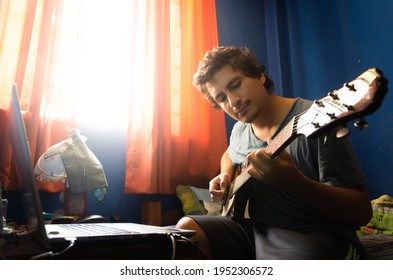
246	163
232	190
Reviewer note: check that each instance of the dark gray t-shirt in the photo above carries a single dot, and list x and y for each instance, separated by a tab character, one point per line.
334	164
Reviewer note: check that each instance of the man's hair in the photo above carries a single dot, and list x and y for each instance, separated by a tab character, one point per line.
240	59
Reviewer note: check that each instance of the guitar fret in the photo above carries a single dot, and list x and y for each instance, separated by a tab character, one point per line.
281	140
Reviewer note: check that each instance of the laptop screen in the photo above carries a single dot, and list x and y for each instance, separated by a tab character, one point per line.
24	165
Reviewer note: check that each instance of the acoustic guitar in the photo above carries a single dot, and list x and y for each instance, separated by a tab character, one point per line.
353	100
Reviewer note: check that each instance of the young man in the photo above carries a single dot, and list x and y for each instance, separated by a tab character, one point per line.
307	202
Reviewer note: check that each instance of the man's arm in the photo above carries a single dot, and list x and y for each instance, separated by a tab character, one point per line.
219	183
350	204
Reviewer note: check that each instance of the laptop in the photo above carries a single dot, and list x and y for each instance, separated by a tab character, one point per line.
49	235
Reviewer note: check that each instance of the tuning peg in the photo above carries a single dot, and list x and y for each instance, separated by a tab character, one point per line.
331	115
334	95
350	86
316	124
319	103
349	107
361	124
343	132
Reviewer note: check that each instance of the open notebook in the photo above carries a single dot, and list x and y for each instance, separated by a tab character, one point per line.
51	234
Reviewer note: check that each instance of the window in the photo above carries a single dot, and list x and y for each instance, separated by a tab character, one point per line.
92	70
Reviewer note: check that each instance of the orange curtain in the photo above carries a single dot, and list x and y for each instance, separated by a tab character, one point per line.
174	137
26	40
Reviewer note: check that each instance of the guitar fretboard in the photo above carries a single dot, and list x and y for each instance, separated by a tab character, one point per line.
276	145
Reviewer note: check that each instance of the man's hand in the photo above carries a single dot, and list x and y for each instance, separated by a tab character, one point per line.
217	187
280	171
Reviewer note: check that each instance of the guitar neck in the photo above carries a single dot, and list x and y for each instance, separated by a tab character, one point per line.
276	145
282	139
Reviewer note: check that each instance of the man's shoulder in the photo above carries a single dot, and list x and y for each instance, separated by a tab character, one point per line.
302	104
241	127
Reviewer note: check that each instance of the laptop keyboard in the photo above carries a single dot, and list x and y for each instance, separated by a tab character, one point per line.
93	229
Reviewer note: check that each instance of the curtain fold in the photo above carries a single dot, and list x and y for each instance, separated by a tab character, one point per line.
185	143
26	54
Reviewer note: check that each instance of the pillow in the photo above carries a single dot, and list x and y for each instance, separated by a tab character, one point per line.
189	200
382	219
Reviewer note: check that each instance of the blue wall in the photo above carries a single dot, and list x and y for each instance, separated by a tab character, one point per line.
339	40
109	145
312	47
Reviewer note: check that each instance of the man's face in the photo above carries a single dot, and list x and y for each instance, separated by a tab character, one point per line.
239	96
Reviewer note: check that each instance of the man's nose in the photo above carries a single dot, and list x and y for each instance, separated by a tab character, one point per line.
233	99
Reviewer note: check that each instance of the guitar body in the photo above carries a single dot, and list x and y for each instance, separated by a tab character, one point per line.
237	204
355	99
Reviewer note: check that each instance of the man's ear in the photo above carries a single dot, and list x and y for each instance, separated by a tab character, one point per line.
263	79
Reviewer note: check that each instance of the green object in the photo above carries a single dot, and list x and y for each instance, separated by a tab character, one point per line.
189	200
382	219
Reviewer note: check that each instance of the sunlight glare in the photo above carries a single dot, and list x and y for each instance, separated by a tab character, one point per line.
100	59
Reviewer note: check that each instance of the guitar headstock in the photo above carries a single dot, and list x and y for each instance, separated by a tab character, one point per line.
355	99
